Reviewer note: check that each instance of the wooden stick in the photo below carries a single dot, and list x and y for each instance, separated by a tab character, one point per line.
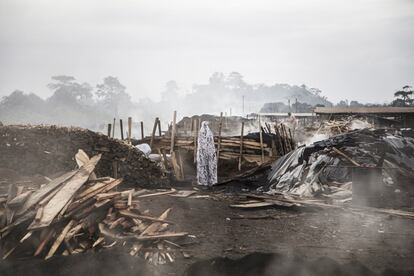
180	160
121	128
219	136
159	127
261	139
173	131
195	139
109	130
129	129
59	240
154	128
113	129
241	146
346	157
142	130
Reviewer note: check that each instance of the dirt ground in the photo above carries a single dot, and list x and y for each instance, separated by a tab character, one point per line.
377	241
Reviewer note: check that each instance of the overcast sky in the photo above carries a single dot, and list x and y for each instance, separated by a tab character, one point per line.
361	49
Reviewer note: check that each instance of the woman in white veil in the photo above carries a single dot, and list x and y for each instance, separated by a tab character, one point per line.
206	157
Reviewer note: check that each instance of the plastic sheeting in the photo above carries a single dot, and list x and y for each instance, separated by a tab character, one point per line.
206	157
316	169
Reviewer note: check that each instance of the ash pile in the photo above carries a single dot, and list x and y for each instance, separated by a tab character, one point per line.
50	150
78	212
369	167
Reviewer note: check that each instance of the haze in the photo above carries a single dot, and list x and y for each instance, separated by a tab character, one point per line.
361	50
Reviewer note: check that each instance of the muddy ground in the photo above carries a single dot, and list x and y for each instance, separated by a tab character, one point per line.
371	241
377	241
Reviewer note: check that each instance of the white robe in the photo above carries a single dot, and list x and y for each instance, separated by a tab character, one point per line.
206	157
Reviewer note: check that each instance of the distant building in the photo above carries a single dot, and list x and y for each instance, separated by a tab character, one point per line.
383	115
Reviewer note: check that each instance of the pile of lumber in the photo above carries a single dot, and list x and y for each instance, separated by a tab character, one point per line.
77	212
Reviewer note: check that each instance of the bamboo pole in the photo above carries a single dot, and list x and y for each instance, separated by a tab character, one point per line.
173	131
121	128
282	149
154	128
113	129
219	136
129	129
261	139
241	146
142	130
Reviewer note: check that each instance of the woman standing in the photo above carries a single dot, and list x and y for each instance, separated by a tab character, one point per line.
206	157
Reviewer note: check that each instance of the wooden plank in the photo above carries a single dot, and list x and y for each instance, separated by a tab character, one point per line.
38	195
346	157
158	194
141	217
59	240
56	204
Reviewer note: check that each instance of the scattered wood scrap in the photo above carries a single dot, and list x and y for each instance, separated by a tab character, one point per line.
77	212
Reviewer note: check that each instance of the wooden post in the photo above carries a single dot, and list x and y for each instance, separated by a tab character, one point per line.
180	160
129	129
109	130
113	129
121	128
142	130
154	128
279	137
159	127
219	136
195	139
173	131
241	146
292	143
261	139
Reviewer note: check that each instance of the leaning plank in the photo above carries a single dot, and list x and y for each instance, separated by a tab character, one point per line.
56	204
59	240
38	195
19	200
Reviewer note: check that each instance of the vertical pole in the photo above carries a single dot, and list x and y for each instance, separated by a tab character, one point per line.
195	139
121	126
261	139
109	130
173	131
219	136
129	129
142	130
279	138
241	146
113	129
159	127
154	128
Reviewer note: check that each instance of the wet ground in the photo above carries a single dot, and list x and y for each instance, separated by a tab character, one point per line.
366	241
